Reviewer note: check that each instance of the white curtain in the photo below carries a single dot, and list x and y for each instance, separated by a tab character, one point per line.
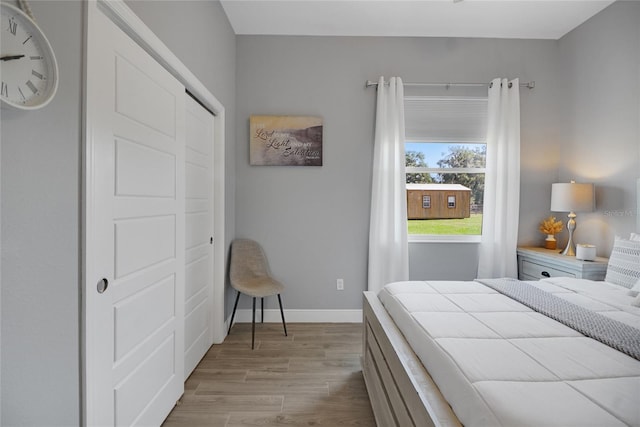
388	250
497	256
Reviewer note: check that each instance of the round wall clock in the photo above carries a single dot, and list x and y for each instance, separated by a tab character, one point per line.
28	65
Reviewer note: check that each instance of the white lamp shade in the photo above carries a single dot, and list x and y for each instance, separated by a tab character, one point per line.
572	197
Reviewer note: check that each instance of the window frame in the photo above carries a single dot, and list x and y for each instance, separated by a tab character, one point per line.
456	124
444	238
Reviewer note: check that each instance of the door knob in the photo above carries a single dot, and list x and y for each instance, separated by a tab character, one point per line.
103	284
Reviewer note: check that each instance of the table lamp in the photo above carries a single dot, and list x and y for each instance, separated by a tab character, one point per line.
571	197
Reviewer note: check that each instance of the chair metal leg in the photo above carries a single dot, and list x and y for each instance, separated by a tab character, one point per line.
253	323
261	310
284	325
234	312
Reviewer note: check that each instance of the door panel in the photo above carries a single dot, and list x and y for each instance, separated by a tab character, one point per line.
196	327
198	232
151	377
143	241
197	176
137	90
132	310
134	331
196	274
160	176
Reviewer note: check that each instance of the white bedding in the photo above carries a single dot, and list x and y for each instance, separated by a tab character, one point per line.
498	363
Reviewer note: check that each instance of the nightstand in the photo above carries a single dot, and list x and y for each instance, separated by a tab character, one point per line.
539	263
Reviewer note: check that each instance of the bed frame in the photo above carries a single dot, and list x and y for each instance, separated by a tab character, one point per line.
401	391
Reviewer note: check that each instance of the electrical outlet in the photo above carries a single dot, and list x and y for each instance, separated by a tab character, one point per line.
340	284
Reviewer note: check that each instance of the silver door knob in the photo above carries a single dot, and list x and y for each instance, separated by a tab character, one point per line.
102	286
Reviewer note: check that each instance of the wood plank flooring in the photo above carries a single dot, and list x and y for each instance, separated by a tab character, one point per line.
312	377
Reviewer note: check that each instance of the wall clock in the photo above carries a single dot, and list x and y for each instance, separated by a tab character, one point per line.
28	67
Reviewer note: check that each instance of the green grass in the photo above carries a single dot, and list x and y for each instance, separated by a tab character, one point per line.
466	226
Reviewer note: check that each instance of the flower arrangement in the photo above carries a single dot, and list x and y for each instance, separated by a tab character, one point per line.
550	226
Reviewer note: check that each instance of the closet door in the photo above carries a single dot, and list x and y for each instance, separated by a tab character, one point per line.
134	232
199	240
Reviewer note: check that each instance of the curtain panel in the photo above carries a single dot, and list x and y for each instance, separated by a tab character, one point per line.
497	257
388	248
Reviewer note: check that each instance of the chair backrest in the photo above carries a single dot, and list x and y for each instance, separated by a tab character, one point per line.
248	261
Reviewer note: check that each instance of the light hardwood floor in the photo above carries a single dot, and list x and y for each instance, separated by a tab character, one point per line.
312	377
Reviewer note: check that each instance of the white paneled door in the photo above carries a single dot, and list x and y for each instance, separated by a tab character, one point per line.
199	240
134	232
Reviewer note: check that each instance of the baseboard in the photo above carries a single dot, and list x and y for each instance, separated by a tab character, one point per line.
300	316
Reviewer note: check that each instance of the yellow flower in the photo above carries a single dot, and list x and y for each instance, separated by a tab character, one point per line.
550	226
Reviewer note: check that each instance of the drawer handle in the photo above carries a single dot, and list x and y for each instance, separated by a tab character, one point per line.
545	274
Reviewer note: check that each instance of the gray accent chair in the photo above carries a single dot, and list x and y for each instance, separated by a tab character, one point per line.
250	275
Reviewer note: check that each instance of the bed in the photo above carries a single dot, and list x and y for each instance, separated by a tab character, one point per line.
472	353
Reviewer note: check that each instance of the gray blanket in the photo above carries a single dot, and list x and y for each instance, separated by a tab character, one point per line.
613	333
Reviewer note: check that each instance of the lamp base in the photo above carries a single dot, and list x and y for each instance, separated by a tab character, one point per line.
570	250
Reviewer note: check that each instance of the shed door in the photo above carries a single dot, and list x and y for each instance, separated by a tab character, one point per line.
134	329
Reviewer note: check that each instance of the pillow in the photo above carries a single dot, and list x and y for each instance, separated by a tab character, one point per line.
636	302
624	263
635	237
635	290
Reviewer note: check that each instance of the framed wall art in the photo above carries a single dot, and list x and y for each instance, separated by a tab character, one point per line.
285	140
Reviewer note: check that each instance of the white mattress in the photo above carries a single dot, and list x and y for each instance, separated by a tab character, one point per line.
498	363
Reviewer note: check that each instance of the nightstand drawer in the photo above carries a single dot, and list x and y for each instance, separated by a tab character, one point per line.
533	262
539	271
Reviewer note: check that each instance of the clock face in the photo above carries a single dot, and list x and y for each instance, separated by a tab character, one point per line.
28	67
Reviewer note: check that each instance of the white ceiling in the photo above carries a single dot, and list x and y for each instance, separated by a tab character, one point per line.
526	19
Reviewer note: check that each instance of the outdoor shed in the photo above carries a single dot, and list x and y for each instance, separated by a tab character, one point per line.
438	201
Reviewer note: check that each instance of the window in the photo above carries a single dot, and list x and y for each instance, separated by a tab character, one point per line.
445	152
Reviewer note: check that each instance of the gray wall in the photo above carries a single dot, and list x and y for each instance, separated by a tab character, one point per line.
40	239
313	221
600	97
41	181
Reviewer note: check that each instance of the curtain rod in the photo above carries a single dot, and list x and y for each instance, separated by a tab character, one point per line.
528	85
